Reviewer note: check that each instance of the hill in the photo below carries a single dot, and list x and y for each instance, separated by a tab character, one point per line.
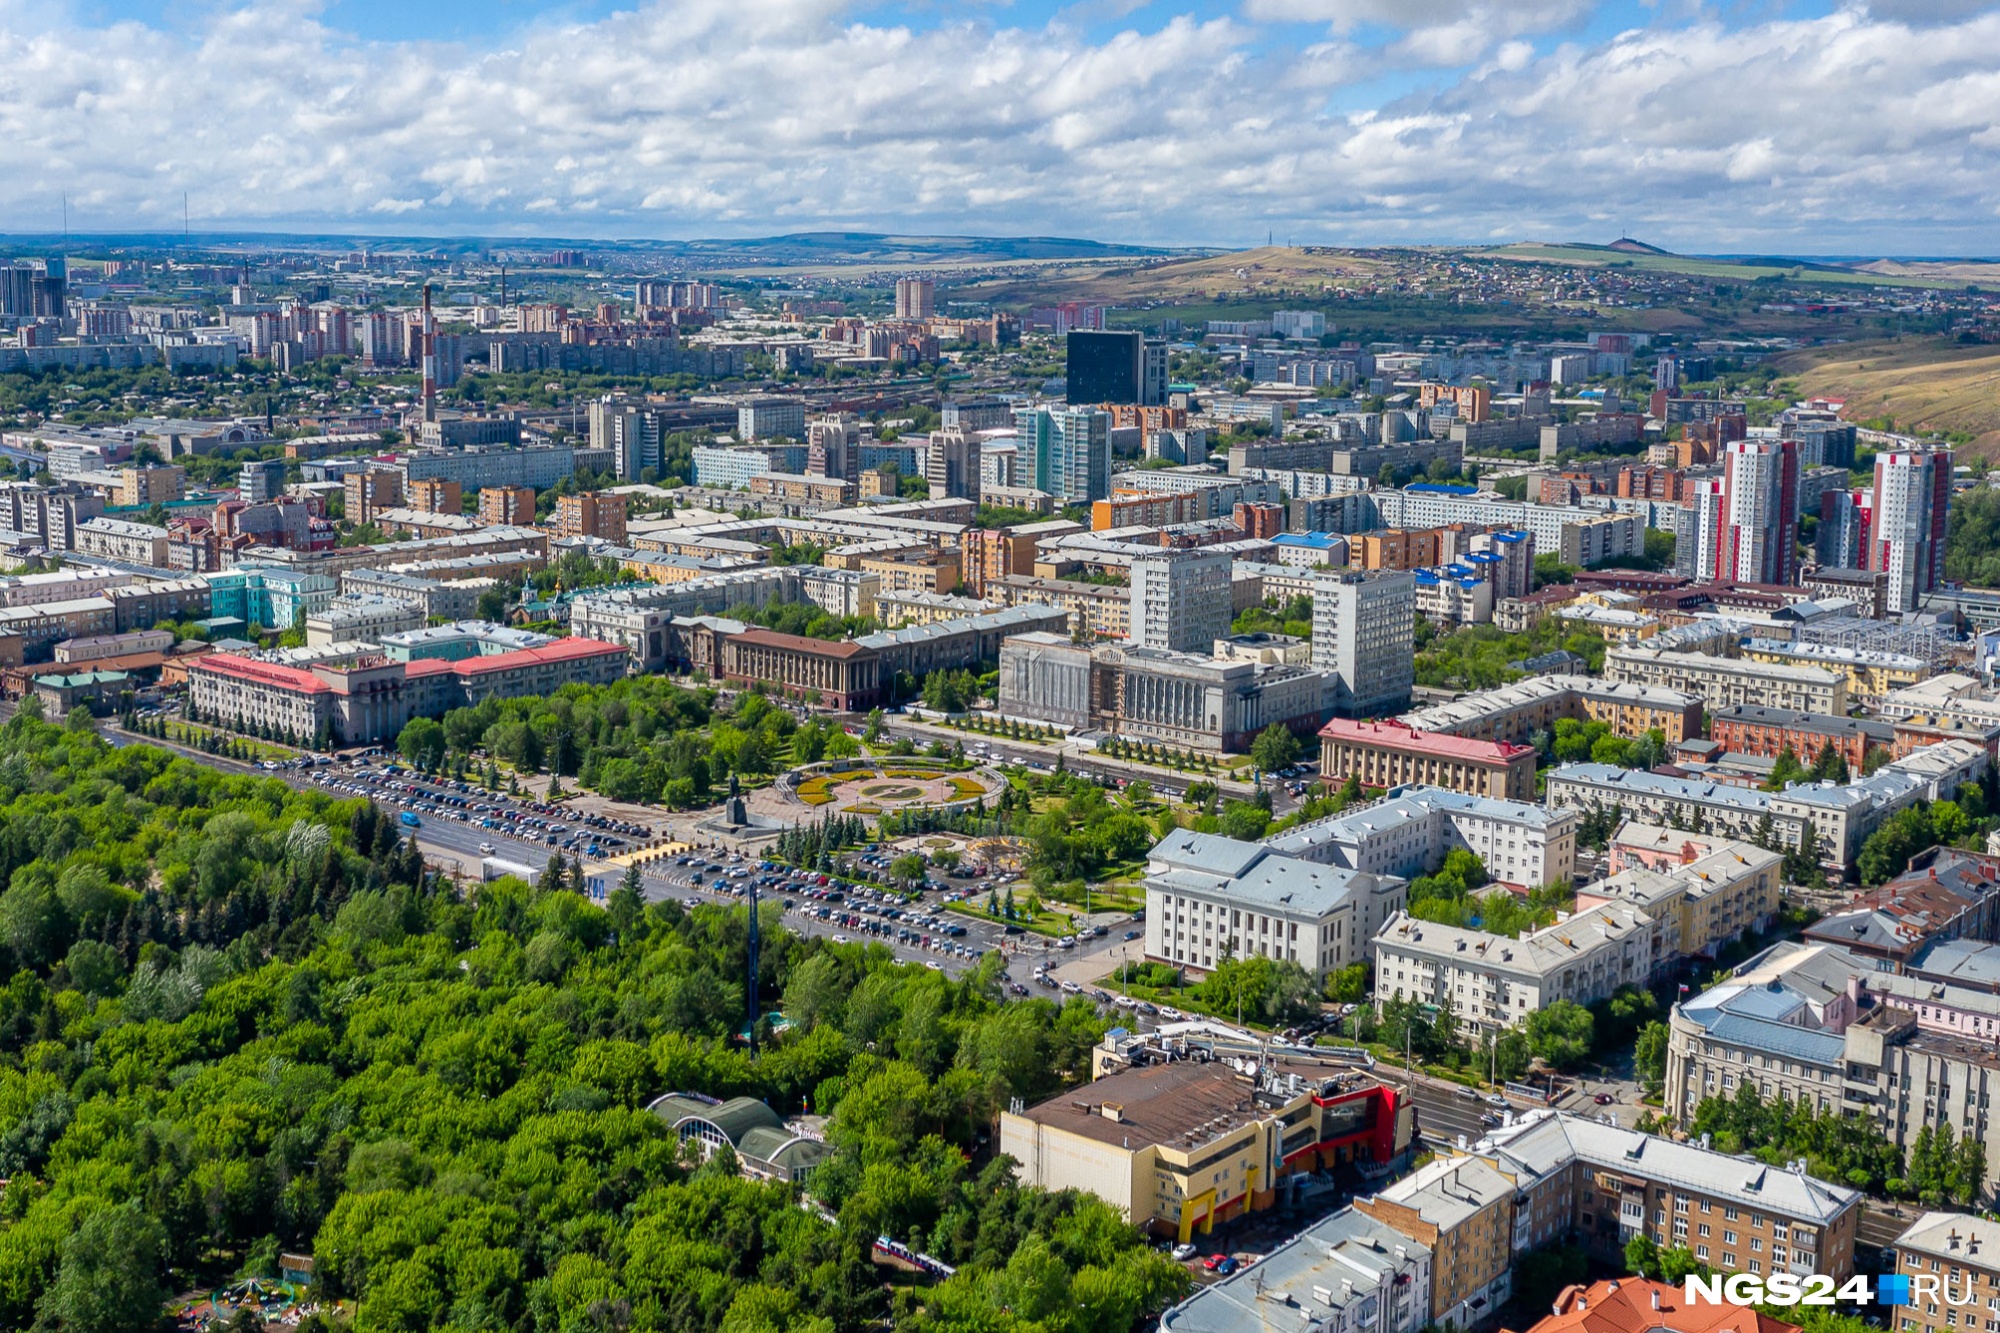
1262	272
1921	384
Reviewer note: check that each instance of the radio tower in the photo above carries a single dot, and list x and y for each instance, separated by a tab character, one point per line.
429	340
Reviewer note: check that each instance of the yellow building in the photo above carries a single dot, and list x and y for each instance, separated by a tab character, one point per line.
926	571
1869	676
1185	1144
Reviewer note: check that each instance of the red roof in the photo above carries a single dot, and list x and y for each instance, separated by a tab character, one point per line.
562	650
770	638
1402	736
1635	1305
260	673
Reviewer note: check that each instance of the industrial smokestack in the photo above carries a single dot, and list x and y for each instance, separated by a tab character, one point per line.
429	337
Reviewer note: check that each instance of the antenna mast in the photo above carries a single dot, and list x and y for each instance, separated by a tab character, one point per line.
429	337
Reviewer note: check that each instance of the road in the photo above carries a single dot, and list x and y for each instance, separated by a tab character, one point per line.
1078	759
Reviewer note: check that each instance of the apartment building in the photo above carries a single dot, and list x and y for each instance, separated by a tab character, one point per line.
1094	609
513	506
127	543
1462	1210
1512	713
1176	1144
1347	1272
1210	897
1810	1023
1755	729
1962	1255
361	618
437	495
1699	902
1945	895
1604	1185
1723	682
370	491
1491	983
1391	753
592	514
806	490
1868	676
1411	832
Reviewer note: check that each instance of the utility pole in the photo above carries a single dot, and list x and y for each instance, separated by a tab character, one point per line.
750	988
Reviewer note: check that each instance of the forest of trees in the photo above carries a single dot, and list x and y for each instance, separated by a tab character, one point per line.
240	1018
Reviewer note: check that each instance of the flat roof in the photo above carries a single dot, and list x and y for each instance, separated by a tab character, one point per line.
1402	736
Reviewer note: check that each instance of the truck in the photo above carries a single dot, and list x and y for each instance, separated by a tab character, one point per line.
410	819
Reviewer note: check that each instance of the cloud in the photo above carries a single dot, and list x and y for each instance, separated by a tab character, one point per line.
713	117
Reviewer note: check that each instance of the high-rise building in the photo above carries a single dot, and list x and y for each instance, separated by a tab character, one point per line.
952	464
370	491
632	434
665	294
1910	502
591	514
436	495
1065	451
1843	529
507	506
833	446
1666	375
1747	523
770	416
1364	632
916	298
260	480
1180	599
1110	367
1153	373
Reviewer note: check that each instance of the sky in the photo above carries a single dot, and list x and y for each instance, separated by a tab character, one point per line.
1789	126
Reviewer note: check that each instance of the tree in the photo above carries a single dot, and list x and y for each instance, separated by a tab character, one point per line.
908	868
1560	1034
422	742
1275	748
109	1278
1650	1056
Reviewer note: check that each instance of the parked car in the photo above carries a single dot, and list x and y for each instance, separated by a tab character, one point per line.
1183	1253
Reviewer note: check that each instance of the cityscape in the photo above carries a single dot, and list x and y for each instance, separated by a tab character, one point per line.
644	686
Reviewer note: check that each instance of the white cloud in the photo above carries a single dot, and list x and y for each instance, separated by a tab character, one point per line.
703	117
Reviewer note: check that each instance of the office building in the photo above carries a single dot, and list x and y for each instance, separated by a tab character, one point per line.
1364	633
1180	599
1908	518
1515	712
1174	1144
1410	833
1106	367
1210	898
257	481
771	416
1390	753
916	298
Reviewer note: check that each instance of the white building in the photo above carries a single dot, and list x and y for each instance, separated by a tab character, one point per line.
127	543
1210	898
1410	833
363	618
1364	631
1906	534
770	416
1180	599
1491	982
1298	324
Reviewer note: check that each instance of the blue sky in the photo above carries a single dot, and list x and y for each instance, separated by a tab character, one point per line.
1806	127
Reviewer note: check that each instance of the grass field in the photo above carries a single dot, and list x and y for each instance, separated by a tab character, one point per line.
1242	273
1921	384
1875	275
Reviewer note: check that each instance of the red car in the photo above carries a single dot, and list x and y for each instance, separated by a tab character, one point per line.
1214	1261
1605	1099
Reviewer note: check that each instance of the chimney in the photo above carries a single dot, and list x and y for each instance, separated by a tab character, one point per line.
1656	1298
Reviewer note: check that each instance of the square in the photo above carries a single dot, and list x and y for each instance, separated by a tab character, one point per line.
1892	1289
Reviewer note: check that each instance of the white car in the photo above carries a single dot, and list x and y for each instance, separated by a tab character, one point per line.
486	849
840	939
1183	1253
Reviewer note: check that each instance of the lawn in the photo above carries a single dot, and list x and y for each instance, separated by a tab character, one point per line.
1050	923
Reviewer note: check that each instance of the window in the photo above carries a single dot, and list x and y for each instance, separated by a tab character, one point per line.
1729	1260
1728	1238
1704	1229
1701	1251
1729	1214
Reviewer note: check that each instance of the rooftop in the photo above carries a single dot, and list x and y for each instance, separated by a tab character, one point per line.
1405	737
1343	1259
1635	1305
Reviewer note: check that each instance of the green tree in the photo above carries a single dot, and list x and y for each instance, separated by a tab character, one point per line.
109	1278
1560	1034
1275	748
